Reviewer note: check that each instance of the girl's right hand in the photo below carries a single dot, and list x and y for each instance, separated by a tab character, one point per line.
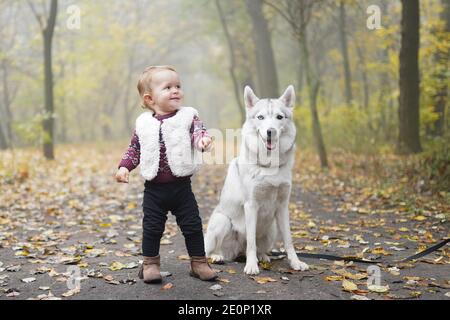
122	175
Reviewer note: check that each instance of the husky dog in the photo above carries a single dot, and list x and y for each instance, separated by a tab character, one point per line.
253	206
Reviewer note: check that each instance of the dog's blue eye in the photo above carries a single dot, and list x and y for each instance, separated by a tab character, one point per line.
279	117
260	117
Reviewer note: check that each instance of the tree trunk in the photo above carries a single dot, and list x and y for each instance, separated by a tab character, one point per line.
300	75
109	109
300	83
384	96
265	62
409	117
62	108
317	130
384	100
129	108
313	90
236	86
7	100
442	58
365	80
345	57
3	142
48	122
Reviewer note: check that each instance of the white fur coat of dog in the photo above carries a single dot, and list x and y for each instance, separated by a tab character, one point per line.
253	206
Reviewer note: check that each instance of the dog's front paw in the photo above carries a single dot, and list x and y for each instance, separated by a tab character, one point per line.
218	259
251	268
298	265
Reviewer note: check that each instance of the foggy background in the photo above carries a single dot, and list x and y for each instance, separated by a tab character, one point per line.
101	47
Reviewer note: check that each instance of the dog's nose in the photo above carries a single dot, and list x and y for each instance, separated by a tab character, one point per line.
271	132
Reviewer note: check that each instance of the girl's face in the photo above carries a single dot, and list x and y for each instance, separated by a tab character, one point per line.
166	93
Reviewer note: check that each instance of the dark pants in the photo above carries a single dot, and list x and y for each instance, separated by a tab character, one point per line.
176	197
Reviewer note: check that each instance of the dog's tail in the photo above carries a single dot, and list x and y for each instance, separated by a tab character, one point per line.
219	226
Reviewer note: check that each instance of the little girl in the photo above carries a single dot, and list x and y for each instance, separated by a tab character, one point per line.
163	144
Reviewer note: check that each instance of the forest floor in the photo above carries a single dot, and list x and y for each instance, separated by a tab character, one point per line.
69	231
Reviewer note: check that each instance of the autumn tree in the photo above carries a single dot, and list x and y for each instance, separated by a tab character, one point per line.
298	14
265	61
342	23
233	59
409	118
47	27
441	75
8	88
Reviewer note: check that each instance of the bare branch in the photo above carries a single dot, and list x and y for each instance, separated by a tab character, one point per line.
36	14
44	5
280	11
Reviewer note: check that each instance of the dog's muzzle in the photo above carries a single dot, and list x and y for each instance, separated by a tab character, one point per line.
270	142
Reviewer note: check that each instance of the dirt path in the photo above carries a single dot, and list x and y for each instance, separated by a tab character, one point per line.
98	229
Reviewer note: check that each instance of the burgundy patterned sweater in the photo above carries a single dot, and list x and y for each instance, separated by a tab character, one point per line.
131	158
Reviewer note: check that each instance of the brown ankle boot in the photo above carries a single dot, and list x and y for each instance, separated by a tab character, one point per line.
200	269
150	271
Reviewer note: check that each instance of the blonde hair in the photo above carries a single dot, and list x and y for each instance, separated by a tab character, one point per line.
145	80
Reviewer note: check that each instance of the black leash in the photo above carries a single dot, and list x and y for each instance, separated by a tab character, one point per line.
427	251
337	258
332	257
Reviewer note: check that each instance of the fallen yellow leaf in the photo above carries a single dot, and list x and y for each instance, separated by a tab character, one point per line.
4	221
334	278
223	280
345	273
263	280
231	271
380	250
379	289
265	265
116	266
105	225
71	292
131	205
349	286
412	278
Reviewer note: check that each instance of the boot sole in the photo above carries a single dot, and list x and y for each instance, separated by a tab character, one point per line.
141	276
198	277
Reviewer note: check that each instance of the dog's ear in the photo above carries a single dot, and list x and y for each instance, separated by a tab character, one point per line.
250	98
288	97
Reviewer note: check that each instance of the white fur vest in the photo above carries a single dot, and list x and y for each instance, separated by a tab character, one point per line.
182	158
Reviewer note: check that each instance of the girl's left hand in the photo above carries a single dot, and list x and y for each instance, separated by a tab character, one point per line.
205	143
